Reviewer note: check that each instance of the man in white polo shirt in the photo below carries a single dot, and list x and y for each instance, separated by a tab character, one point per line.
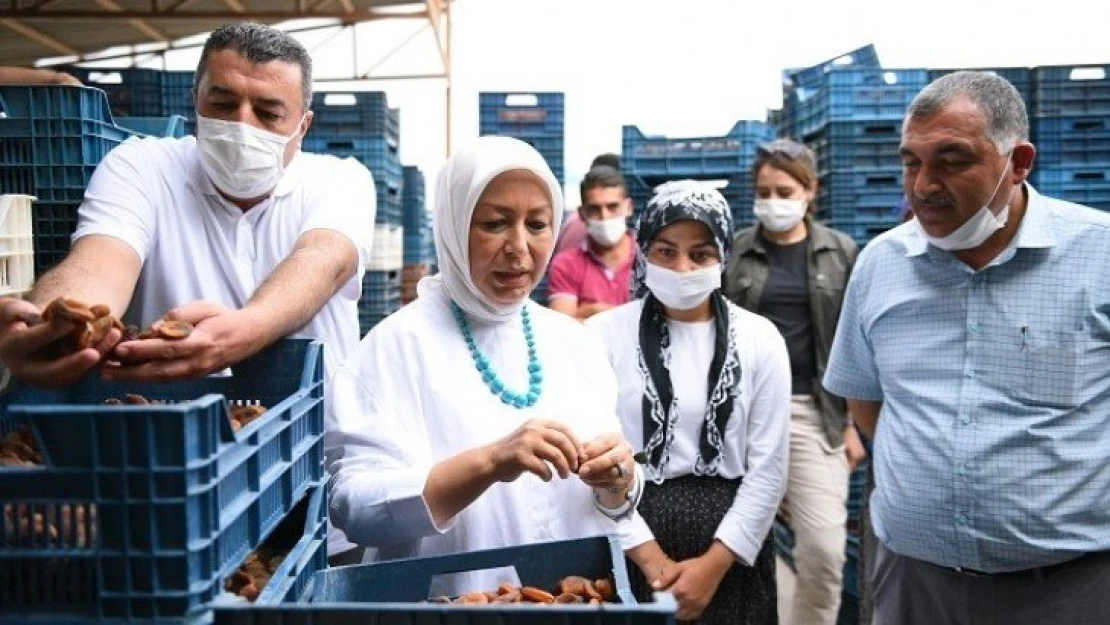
236	231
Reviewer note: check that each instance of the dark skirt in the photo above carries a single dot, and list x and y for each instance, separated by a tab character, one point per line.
684	513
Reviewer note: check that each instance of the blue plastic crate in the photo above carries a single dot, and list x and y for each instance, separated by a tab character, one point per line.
363	114
726	155
390	592
305	528
860	58
389	211
180	498
172	126
380	156
381	296
1072	140
52	225
66	132
520	114
865	193
1020	77
412	199
141	92
1072	90
856	94
847	146
1083	184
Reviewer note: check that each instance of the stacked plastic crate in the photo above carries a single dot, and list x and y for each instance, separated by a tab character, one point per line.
648	161
1071	130
362	126
849	111
419	246
51	140
141	92
536	118
141	512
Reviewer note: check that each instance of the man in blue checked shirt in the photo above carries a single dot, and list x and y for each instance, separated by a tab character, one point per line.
974	347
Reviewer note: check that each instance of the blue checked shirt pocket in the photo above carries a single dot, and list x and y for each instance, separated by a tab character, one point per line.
1050	365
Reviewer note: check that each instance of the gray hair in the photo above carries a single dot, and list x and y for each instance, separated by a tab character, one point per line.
259	44
1007	120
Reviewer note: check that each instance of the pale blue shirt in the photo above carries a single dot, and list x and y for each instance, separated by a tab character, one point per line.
993	443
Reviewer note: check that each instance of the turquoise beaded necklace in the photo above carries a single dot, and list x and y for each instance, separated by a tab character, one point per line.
481	363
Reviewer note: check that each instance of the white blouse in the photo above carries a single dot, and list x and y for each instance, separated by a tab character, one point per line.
756	438
412	397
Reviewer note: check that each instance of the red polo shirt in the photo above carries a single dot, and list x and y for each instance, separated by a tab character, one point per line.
580	274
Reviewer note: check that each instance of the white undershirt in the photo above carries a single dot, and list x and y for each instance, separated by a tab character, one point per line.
756	438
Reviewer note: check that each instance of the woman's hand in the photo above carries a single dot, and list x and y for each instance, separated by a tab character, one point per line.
531	447
608	463
693	582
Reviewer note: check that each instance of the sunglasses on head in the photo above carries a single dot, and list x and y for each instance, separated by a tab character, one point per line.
790	149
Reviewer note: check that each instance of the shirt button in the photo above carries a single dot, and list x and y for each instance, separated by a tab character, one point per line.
962	518
973	326
965	419
959	469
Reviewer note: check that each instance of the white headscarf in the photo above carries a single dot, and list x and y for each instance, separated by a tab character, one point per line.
460	183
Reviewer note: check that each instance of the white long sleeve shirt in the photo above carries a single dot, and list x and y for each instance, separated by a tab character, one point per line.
412	397
757	436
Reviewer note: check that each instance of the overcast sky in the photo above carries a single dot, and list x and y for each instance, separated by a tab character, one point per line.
681	68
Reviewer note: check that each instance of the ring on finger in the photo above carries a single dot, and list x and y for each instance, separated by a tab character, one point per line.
620	468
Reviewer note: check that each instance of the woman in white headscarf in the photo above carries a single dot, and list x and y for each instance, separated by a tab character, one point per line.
474	418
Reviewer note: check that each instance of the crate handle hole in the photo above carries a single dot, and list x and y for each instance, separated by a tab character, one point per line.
340	99
1091	175
1087	73
505	574
106	78
522	99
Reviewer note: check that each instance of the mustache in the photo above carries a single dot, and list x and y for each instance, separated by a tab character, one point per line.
935	201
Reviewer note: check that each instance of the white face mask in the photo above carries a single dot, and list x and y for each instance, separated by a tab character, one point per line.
607	232
976	230
682	291
779	215
242	161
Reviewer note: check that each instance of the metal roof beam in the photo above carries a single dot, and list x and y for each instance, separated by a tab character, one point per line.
39	37
362	15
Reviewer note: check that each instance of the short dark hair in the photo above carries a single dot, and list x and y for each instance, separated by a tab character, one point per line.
259	44
608	159
601	177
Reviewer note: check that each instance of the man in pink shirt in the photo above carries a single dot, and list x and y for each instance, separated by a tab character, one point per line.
595	276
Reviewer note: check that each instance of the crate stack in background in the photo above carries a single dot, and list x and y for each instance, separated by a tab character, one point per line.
849	110
648	161
535	118
141	512
1070	120
419	249
141	92
361	125
51	140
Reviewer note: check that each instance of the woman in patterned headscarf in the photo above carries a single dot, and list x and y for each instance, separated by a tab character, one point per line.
705	388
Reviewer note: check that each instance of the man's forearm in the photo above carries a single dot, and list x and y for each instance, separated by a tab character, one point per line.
302	284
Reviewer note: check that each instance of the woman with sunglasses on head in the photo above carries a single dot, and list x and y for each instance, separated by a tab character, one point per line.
793	271
704	386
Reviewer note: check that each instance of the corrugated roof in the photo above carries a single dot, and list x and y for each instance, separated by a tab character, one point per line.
35	29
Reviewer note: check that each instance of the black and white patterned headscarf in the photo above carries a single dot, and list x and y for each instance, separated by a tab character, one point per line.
673	202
